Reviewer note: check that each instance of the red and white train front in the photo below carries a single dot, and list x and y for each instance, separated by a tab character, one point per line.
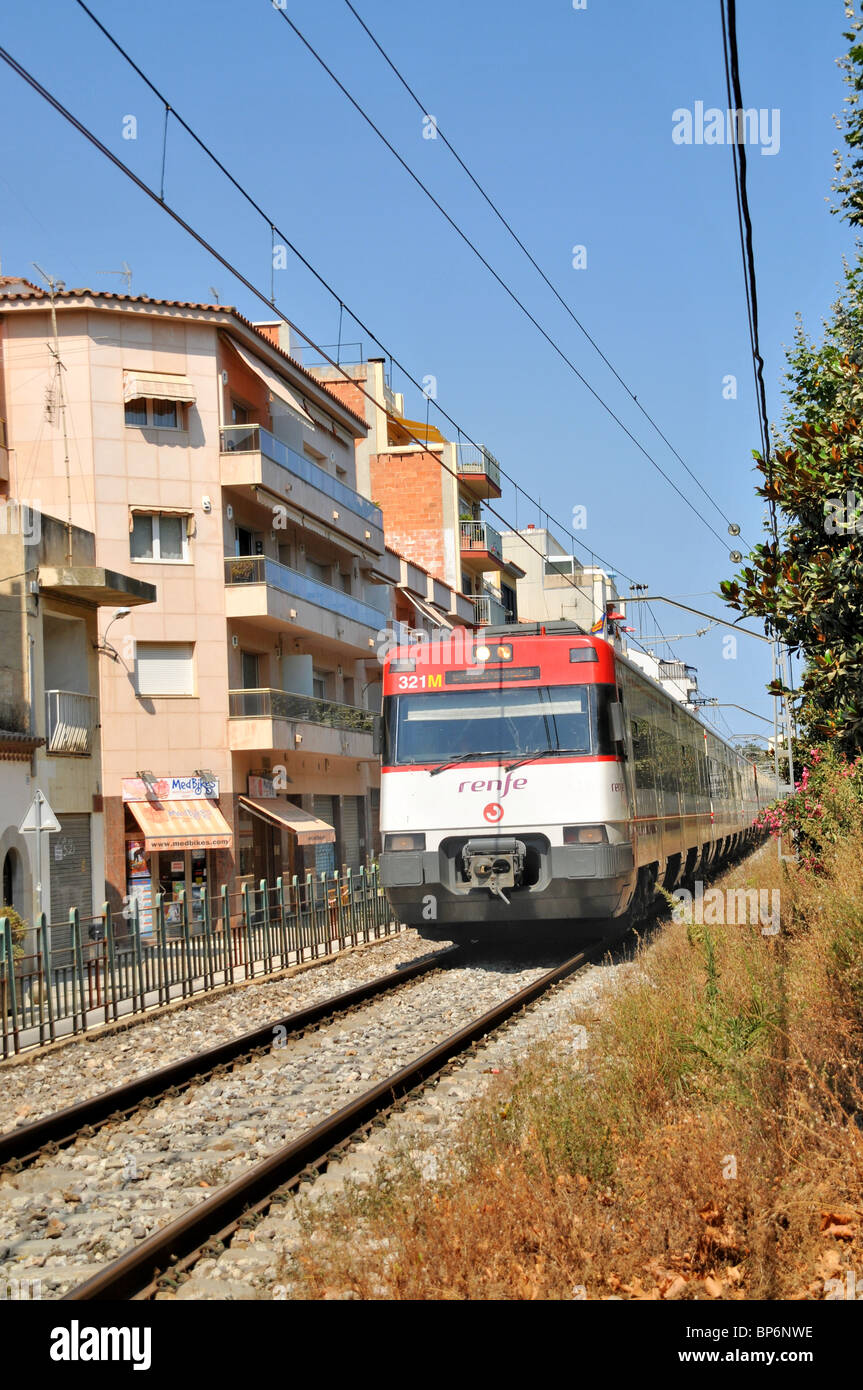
504	793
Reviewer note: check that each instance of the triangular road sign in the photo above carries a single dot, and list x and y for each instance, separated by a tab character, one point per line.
39	817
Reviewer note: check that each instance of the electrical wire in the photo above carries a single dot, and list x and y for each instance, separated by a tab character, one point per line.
537	267
275	229
223	261
490	268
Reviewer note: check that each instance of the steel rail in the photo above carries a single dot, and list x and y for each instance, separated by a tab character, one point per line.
26	1143
135	1273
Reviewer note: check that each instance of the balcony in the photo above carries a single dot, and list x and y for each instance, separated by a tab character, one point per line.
269	719
263	590
490	611
71	722
478	470
481	546
251	456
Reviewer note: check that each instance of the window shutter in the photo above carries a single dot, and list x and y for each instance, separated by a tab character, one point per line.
165	668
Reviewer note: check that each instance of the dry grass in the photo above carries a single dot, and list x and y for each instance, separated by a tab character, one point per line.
709	1148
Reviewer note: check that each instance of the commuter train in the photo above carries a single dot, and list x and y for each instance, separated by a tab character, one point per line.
532	773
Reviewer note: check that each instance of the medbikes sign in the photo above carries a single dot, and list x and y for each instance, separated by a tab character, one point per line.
170	789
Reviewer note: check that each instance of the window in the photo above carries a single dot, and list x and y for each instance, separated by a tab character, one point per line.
154	414
319	685
250	671
165	415
322	573
571	720
165	668
159	536
239	414
248	542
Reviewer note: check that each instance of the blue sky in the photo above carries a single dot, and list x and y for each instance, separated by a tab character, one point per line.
566	118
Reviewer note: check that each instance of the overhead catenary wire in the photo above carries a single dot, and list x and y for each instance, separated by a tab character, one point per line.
339	299
93	139
259	294
537	267
490	268
728	10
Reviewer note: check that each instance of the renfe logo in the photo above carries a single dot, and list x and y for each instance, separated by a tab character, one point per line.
494	785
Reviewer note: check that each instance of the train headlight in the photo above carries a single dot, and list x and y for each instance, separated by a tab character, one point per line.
585	835
481	654
401	842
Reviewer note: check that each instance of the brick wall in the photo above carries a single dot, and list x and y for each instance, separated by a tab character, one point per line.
350	394
409	490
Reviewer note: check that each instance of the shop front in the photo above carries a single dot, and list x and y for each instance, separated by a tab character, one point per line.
272	831
174	828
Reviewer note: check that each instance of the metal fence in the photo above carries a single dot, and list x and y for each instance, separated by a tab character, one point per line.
111	966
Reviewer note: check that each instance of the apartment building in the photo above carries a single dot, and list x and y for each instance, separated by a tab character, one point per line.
431	493
51	593
554	585
238	719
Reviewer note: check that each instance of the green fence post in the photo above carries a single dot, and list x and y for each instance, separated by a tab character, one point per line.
137	955
209	977
187	945
340	890
227	936
268	946
283	931
323	917
111	961
12	994
298	915
78	964
47	972
247	924
164	986
4	1013
364	918
349	889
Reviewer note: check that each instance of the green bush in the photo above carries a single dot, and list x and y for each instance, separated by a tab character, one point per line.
19	928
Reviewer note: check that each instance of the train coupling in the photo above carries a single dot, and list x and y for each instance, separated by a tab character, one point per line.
494	863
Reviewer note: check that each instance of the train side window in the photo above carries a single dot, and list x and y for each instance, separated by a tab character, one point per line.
642	755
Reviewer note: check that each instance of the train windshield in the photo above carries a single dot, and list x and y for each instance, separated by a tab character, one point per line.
552	719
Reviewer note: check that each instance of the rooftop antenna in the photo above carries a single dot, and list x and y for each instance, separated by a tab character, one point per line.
215	293
125	274
55	287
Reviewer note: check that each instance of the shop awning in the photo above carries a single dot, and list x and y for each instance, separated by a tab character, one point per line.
181	825
307	828
274	383
158	386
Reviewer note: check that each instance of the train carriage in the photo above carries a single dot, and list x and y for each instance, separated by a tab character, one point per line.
531	773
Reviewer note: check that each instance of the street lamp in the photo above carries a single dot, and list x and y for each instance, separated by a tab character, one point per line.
105	645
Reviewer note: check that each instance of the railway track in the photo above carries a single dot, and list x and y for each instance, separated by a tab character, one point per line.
29	1142
164	1257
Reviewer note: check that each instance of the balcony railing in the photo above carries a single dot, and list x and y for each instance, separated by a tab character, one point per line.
254	439
478	535
489	610
476	458
71	720
281	704
260	569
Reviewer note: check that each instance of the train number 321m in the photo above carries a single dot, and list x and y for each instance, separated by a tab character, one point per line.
420	682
